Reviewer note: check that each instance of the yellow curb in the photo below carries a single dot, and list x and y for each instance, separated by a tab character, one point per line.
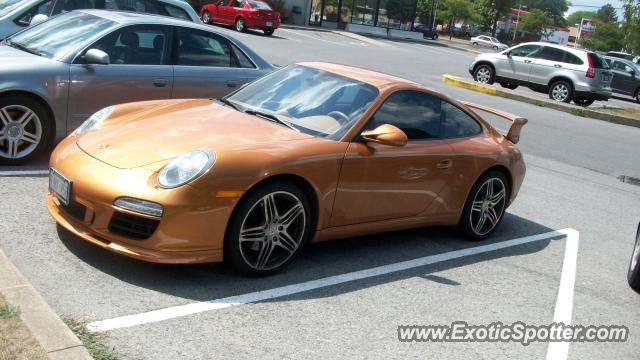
456	81
474	52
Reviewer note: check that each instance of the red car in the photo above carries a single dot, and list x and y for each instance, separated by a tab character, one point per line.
244	14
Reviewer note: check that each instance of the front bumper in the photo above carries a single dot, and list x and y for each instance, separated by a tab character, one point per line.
191	229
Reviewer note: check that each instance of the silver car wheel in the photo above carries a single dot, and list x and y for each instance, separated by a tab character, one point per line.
206	17
20	131
635	257
240	24
272	231
483	75
560	92
488	206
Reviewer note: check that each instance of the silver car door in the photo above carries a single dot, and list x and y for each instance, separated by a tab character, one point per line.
545	64
206	66
139	70
517	64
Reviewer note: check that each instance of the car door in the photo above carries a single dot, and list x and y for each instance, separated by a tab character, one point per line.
139	69
225	12
623	80
545	63
207	65
516	64
379	182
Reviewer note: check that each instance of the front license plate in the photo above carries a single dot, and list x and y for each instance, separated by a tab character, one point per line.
269	23
60	186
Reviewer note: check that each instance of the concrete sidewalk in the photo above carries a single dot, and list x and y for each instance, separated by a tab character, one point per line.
44	324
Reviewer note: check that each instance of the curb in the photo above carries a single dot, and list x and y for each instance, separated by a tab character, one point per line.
47	328
577	111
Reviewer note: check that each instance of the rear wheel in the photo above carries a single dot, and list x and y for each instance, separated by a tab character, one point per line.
268	32
633	276
240	26
561	91
485	205
583	101
268	229
26	129
509	86
637	96
206	17
434	37
484	74
474	43
495	48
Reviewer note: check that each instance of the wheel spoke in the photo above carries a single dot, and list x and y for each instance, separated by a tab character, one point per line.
265	253
291	215
489	189
477	205
498	197
29	137
12	148
481	220
270	209
26	118
286	242
4	117
252	234
492	216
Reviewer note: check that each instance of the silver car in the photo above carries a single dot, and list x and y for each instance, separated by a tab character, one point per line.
564	73
16	15
56	74
488	41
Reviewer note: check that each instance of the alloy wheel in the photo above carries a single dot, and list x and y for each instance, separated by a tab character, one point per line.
560	92
272	230
483	75
240	24
488	206
635	257
206	17
20	131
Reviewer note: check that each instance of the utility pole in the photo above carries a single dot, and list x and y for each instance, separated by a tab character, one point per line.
515	30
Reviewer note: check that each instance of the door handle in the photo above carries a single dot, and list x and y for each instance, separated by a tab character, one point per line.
160	82
444	164
528	61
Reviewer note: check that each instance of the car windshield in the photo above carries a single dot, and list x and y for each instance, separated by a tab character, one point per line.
57	36
6	6
495	40
259	5
310	100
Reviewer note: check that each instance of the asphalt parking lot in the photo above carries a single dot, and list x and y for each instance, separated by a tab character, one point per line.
330	303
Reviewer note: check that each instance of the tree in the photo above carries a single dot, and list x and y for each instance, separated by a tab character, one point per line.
457	10
536	22
575	17
607	14
631	27
554	9
500	9
423	11
606	37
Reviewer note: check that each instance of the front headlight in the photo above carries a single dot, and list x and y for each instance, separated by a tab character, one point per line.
185	168
95	120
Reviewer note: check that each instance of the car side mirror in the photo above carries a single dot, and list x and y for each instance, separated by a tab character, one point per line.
38	19
386	134
95	56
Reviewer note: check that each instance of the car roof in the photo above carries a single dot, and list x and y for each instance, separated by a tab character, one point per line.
557	46
375	78
130	17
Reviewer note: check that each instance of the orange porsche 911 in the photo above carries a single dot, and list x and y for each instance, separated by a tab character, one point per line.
309	153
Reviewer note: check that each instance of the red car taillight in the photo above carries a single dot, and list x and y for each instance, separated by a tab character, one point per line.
591	72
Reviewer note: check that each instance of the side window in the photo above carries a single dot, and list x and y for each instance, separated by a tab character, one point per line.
63	6
572	59
236	3
222	2
525	51
456	123
43	8
200	48
176	12
243	59
136	45
415	113
551	54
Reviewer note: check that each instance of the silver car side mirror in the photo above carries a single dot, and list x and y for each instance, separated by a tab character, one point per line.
96	56
38	19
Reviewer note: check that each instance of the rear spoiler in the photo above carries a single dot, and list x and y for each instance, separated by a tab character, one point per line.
517	122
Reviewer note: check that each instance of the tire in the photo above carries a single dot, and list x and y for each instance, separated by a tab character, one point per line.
270	235
485	204
633	276
495	48
434	37
583	101
637	96
206	17
474	43
509	86
484	74
268	32
561	91
240	26
22	142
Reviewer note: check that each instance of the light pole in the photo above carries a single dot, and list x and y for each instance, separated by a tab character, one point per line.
515	30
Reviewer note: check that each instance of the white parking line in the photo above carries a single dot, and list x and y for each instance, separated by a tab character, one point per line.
199	307
564	303
24	173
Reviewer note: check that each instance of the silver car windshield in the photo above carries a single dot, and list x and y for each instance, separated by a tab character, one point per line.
309	100
60	34
6	6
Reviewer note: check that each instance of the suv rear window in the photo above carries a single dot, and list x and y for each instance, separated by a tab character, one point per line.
597	62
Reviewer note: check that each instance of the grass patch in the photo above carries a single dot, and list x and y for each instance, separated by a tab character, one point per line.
94	342
9	311
578	112
539	103
16	341
631	112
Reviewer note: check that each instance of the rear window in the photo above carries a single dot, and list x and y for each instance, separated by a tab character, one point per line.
259	5
597	62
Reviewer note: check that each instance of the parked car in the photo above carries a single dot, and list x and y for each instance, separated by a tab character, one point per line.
427	32
243	14
54	75
488	41
306	153
618	54
16	15
564	73
633	275
626	77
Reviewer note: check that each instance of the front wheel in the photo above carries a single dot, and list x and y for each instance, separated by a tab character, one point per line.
268	32
561	91
268	229
637	96
484	74
240	26
583	101
206	17
485	205
474	43
633	276
26	129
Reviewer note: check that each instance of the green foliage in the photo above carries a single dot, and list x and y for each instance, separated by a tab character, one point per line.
423	11
631	28
94	342
607	14
606	37
9	311
555	9
397	9
458	10
536	22
575	17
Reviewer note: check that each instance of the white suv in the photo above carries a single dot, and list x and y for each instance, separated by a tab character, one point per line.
564	73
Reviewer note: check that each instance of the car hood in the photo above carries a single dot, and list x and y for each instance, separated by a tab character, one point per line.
143	133
14	59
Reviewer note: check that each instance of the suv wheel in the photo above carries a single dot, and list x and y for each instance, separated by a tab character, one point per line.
25	129
484	74
637	95
583	101
561	91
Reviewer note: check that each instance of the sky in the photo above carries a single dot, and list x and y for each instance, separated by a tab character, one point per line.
594	5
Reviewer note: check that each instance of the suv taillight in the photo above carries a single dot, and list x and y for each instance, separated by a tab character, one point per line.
591	72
